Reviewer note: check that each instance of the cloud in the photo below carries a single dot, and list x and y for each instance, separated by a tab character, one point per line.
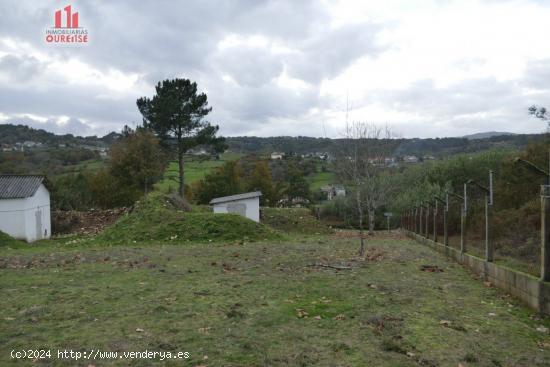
330	52
60	125
248	66
19	69
285	67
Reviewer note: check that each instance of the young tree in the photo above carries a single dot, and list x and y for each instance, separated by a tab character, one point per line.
360	161
224	181
261	180
137	159
298	187
176	115
540	113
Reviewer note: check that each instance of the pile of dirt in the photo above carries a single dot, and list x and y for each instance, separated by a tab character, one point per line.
7	240
293	220
156	218
90	222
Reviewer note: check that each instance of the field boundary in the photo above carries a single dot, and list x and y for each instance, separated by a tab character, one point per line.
529	289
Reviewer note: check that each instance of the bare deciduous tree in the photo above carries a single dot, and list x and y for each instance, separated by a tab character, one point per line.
361	159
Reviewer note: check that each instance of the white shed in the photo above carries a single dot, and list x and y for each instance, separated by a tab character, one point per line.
25	207
247	205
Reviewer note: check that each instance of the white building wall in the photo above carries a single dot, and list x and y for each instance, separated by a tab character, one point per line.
38	205
12	218
18	217
252	207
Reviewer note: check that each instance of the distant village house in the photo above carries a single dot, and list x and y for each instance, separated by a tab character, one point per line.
333	192
410	159
277	155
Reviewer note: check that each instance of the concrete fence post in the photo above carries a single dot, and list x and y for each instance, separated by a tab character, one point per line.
416	219
545	233
489	249
463	230
463	222
420	219
427	234
435	221
445	230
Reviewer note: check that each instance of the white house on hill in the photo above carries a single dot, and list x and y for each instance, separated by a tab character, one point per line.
24	207
247	205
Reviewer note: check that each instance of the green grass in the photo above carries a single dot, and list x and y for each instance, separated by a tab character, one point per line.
262	304
195	170
155	219
320	179
6	240
88	165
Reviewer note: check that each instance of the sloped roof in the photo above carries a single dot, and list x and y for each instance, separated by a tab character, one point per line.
19	186
247	195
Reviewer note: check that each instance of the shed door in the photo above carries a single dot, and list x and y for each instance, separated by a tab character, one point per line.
237	208
38	215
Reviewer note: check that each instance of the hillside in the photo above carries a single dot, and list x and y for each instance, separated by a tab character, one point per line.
484	135
437	147
12	134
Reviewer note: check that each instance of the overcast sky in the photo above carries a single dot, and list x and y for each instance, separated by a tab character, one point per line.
428	68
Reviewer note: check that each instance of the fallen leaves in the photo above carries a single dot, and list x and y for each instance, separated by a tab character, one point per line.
374	254
431	268
301	313
228	267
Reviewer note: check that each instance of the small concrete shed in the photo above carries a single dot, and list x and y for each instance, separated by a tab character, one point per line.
25	207
247	205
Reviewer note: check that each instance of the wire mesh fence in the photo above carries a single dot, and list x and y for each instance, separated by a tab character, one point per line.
513	234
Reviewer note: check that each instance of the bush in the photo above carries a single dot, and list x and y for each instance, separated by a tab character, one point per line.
294	220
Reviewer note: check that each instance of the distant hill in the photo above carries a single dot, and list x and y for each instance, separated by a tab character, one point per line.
11	134
438	147
485	135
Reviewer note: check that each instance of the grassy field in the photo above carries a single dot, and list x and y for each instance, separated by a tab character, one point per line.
88	165
302	301
195	170
320	179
